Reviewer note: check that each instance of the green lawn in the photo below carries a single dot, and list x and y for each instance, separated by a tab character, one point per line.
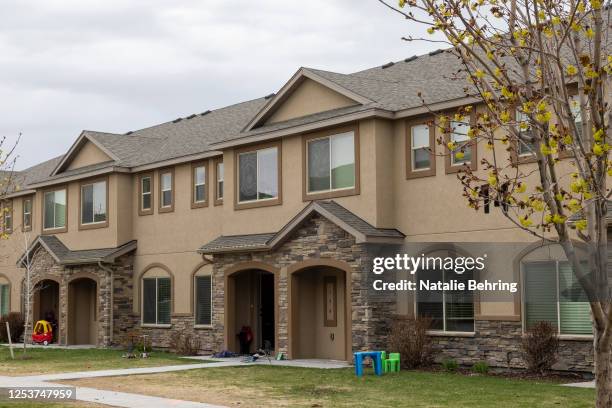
52	360
255	386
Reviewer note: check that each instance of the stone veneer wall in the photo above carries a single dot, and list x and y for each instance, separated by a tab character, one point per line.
316	238
43	266
499	344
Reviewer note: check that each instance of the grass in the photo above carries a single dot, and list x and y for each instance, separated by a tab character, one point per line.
253	386
53	360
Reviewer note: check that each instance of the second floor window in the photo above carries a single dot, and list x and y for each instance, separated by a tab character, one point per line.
27	214
54	214
525	148
576	113
93	203
146	194
419	148
331	163
166	190
258	175
459	135
7	217
199	184
219	185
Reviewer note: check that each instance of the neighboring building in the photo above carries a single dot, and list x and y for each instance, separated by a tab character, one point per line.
267	214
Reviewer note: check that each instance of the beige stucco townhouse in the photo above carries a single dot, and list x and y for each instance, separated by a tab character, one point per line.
267	214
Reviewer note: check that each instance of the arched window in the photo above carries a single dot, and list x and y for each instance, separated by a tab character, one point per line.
156	296
552	293
5	296
202	286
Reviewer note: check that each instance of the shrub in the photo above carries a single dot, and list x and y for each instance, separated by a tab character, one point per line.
185	343
450	365
480	367
16	322
409	337
540	347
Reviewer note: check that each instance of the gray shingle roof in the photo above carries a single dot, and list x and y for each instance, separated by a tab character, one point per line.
64	256
334	212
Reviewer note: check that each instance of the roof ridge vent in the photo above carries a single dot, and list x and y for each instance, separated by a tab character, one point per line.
436	52
388	64
269	96
411	58
193	115
177	120
205	113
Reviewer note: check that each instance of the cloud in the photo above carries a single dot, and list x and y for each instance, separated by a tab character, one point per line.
115	65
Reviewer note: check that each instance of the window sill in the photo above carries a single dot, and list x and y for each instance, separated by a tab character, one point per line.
437	333
576	337
327	194
258	203
93	225
156	326
203	326
51	231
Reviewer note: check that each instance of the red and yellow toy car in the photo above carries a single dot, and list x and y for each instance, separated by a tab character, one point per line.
43	332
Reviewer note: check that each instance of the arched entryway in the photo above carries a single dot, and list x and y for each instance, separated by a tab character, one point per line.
82	311
45	304
320	325
251	302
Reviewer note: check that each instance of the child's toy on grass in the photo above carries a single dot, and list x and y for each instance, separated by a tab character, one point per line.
42	333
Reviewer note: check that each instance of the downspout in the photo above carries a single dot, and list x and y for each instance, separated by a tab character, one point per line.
112	293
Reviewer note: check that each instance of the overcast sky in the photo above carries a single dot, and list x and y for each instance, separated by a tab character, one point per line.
120	65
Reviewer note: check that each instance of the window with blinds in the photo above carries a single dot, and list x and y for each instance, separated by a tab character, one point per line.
553	294
4	299
203	300
156	300
451	311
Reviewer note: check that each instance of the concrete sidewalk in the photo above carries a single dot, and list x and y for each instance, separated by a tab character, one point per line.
128	400
586	384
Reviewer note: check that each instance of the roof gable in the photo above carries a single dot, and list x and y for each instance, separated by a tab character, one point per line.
306	93
361	230
85	151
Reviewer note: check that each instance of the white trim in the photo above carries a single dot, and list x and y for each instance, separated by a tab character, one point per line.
44	210
438	333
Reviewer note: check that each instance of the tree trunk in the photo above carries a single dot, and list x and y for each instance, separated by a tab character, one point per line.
603	371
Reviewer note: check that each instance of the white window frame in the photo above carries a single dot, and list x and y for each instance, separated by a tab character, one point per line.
196	185
93	209
195	300
149	193
413	148
220	180
330	189
522	117
24	213
44	210
523	298
464	142
258	200
162	190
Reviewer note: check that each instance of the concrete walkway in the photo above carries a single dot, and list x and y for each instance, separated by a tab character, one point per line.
128	400
586	384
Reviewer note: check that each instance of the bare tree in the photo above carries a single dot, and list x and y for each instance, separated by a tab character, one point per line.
542	71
